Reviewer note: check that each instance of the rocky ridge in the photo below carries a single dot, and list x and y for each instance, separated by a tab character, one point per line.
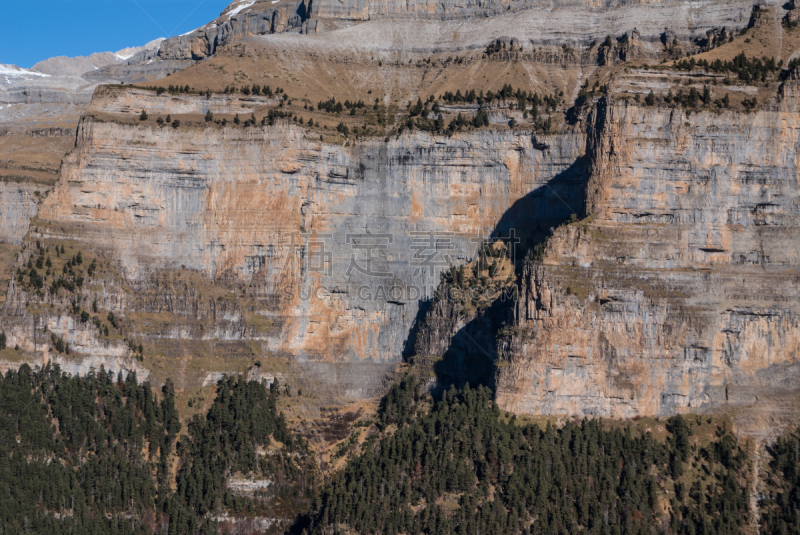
563	22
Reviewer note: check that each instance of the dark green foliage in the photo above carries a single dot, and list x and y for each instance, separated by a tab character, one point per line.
416	109
461	468
781	506
330	106
244	416
400	404
94	454
748	70
524	99
274	114
494	47
175	89
724	102
74	446
548	102
70	279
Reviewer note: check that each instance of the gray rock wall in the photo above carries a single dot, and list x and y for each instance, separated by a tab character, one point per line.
275	207
679	292
17	208
542	22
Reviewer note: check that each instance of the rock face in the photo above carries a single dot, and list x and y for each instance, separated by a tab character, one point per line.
680	290
672	288
259	18
17	208
339	244
656	265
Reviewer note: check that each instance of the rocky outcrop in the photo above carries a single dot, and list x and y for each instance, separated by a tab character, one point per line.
233	25
81	66
45	95
667	283
541	22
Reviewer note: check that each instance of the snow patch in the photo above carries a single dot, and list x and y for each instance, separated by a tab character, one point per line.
241	7
13	70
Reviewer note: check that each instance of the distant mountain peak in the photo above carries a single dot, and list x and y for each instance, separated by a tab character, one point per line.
129	52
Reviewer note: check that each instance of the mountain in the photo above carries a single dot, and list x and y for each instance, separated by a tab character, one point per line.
635	289
497	255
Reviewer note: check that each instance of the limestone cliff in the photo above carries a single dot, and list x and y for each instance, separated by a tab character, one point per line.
337	245
679	291
668	281
654	268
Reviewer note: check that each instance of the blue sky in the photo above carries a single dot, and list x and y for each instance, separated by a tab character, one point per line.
34	30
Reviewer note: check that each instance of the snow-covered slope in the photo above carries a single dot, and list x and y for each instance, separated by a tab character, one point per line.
17	72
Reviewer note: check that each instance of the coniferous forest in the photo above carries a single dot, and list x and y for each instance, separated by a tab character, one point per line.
105	454
94	455
456	465
780	508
